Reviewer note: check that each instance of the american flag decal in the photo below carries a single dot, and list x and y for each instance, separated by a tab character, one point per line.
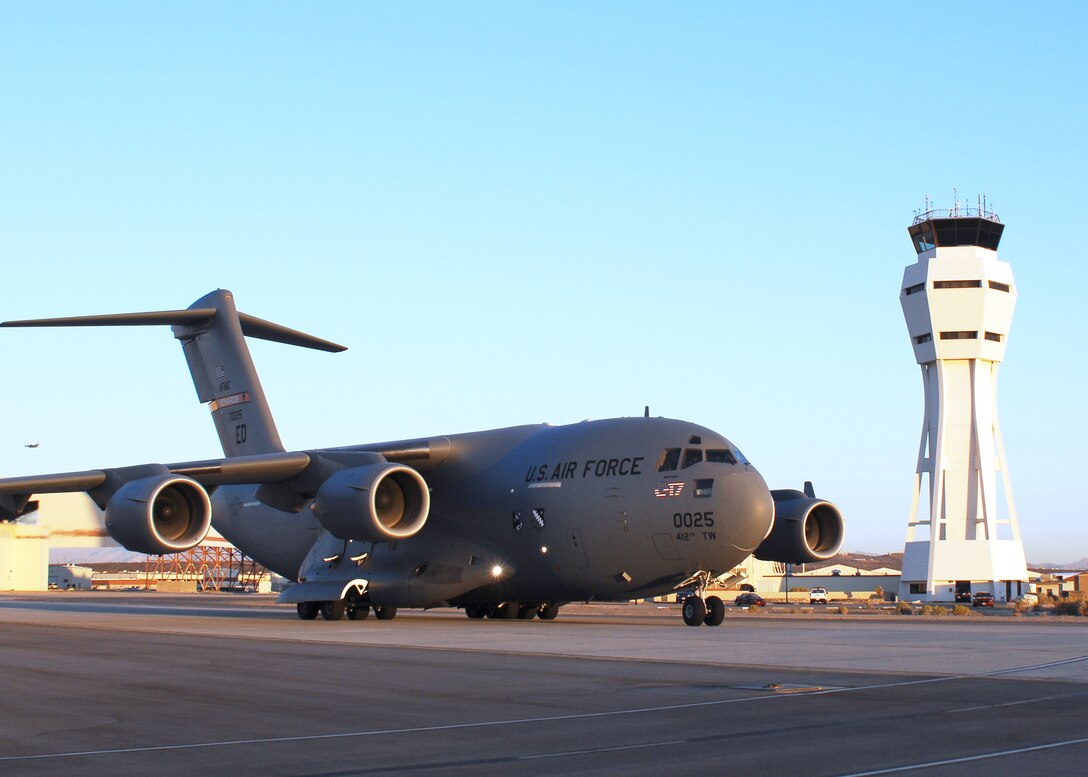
220	372
669	489
538	518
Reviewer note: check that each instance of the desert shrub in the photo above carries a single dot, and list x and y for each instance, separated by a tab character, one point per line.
904	608
1071	607
961	609
878	592
1019	608
934	609
842	609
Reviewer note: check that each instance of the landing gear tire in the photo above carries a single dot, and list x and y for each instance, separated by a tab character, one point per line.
475	611
385	613
547	612
307	611
527	612
509	611
359	612
333	610
694	611
715	611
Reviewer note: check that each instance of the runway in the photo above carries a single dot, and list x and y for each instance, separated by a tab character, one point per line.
102	684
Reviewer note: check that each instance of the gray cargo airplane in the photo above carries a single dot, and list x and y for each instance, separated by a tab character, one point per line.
507	523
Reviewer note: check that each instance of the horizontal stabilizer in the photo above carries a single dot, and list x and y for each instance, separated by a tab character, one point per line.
266	330
251	325
151	318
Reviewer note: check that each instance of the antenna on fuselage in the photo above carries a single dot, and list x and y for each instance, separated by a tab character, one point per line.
646	412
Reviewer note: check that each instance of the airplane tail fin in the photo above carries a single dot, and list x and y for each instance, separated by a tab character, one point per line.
212	334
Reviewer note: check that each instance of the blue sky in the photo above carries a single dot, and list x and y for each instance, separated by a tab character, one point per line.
515	213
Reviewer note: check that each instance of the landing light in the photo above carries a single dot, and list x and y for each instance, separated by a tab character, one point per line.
544	549
496	571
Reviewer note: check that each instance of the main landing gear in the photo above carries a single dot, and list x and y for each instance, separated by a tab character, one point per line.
526	611
355	608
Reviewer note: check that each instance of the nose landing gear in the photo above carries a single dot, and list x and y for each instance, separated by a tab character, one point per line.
698	611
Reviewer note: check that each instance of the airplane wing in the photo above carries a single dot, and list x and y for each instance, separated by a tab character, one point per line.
262	468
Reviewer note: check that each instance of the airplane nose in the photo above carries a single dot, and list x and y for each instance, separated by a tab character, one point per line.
747	507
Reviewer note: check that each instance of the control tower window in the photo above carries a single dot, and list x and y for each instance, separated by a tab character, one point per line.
692	456
669	460
957	284
959	335
722	456
914	289
926	338
994	336
999	286
923	238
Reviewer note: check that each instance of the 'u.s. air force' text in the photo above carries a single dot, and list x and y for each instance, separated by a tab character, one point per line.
592	468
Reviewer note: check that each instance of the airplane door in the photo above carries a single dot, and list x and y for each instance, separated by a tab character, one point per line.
577	551
666	548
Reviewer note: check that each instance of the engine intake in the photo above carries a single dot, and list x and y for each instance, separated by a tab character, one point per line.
374	503
804	530
160	514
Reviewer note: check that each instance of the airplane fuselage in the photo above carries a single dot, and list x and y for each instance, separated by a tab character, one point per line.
597	510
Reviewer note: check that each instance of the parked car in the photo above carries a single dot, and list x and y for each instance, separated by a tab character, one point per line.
1029	598
684	593
817	596
749	599
983	599
963	597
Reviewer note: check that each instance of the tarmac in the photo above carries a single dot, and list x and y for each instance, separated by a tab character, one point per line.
139	684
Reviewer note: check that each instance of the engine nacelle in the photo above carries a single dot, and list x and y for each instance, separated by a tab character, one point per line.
160	514
805	529
374	503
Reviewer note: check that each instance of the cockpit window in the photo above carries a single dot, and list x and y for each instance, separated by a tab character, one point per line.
692	456
670	458
721	455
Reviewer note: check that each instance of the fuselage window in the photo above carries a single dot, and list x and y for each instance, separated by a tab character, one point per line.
692	456
670	458
721	456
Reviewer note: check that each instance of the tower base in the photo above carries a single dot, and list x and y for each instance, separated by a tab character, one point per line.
938	571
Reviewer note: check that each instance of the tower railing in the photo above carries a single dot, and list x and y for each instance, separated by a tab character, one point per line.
958	212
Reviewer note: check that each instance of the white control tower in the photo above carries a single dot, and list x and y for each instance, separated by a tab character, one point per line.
958	300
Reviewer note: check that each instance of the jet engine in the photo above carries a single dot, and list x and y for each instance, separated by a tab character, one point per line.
373	503
805	529
160	514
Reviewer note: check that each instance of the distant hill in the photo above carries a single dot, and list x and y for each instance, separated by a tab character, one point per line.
862	561
1082	564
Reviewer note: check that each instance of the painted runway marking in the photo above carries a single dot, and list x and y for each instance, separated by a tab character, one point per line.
968	759
596	750
478	724
1033	667
1013	703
